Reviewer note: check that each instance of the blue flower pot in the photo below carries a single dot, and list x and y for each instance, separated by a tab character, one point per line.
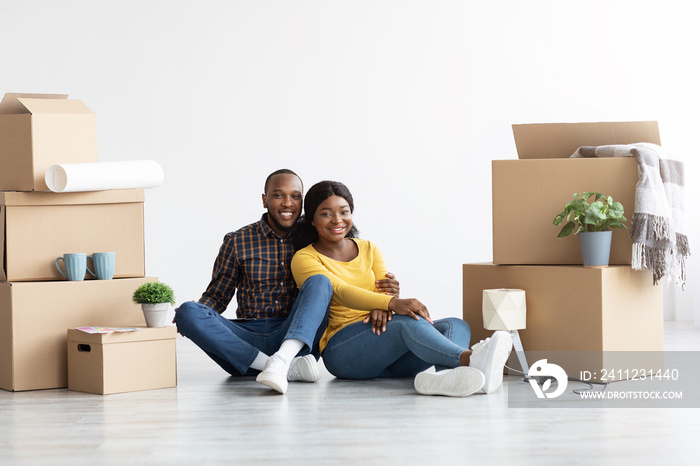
595	248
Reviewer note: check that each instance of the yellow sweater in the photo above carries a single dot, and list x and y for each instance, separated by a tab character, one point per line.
354	289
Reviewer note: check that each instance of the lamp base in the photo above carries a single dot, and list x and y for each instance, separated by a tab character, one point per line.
519	352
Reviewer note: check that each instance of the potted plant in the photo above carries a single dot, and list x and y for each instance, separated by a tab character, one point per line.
592	223
155	299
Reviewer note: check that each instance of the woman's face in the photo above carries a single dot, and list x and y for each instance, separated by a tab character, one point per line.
333	219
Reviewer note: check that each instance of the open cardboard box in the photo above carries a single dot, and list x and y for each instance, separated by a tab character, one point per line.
34	317
122	362
528	193
38	227
586	318
40	130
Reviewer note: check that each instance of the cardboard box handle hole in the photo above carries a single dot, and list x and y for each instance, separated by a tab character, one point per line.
83	348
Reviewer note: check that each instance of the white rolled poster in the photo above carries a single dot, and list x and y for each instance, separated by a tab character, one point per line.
101	176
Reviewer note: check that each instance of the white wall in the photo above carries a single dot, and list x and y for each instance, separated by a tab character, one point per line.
407	102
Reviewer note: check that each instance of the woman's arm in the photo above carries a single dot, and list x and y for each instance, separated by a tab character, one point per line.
305	264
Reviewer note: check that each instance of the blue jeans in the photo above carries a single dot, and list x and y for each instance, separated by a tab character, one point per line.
407	347
234	344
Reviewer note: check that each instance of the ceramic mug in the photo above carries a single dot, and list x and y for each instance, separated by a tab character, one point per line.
75	264
104	263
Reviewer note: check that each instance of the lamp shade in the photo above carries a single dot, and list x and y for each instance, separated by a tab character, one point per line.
504	309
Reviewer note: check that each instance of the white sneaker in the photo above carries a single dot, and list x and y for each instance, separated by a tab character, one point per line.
490	356
303	369
460	381
275	374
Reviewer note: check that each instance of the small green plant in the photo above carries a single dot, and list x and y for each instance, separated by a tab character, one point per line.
600	215
154	293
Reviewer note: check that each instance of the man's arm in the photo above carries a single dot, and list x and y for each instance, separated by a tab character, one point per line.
224	278
389	285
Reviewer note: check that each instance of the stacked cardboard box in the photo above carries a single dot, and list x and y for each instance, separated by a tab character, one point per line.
569	308
37	305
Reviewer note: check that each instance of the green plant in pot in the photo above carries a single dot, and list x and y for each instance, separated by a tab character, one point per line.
155	299
592	222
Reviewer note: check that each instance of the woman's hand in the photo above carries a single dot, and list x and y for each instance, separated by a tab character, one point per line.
410	307
378	318
389	285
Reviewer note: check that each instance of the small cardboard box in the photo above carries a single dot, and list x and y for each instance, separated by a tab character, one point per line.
572	309
122	362
528	193
34	317
37	227
40	130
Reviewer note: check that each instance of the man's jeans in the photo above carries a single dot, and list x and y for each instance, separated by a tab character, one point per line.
407	347
234	344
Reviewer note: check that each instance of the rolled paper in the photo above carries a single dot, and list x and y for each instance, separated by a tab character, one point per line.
101	176
504	309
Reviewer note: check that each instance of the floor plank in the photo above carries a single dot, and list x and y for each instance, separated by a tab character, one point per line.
211	418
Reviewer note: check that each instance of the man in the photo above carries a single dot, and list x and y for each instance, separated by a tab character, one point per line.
278	328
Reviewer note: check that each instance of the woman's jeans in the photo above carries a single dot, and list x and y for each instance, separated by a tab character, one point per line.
234	344
407	347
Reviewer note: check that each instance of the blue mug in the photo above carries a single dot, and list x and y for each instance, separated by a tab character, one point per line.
104	263
75	264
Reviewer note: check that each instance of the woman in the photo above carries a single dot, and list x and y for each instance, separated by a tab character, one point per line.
378	335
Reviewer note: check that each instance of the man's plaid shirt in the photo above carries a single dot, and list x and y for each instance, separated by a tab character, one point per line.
256	262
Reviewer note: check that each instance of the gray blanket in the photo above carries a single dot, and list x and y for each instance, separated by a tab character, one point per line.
658	228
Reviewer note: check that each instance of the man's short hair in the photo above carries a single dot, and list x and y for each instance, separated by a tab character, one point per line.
281	171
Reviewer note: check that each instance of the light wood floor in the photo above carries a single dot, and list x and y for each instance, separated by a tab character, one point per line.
214	419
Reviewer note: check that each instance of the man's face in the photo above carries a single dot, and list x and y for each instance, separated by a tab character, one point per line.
283	201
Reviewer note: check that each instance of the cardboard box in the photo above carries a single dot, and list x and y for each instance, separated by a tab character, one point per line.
122	362
36	228
33	321
528	193
40	130
591	314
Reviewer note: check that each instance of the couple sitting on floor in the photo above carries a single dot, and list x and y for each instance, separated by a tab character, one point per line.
346	307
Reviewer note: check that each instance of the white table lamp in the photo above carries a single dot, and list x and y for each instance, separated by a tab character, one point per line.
505	309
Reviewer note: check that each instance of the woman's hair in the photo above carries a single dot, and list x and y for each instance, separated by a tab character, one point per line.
306	233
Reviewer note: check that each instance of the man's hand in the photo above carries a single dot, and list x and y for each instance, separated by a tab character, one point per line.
174	317
178	330
389	285
378	318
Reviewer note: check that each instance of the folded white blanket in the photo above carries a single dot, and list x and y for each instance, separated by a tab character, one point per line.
658	228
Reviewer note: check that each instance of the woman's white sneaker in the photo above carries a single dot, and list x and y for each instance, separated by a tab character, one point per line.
490	356
303	369
460	381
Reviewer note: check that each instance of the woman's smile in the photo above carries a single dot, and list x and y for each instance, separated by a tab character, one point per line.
338	230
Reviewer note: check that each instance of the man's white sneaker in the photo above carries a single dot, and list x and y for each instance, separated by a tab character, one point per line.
490	356
274	375
303	369
460	381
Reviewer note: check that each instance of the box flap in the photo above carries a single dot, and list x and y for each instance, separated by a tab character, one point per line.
55	107
560	140
144	334
11	105
35	198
